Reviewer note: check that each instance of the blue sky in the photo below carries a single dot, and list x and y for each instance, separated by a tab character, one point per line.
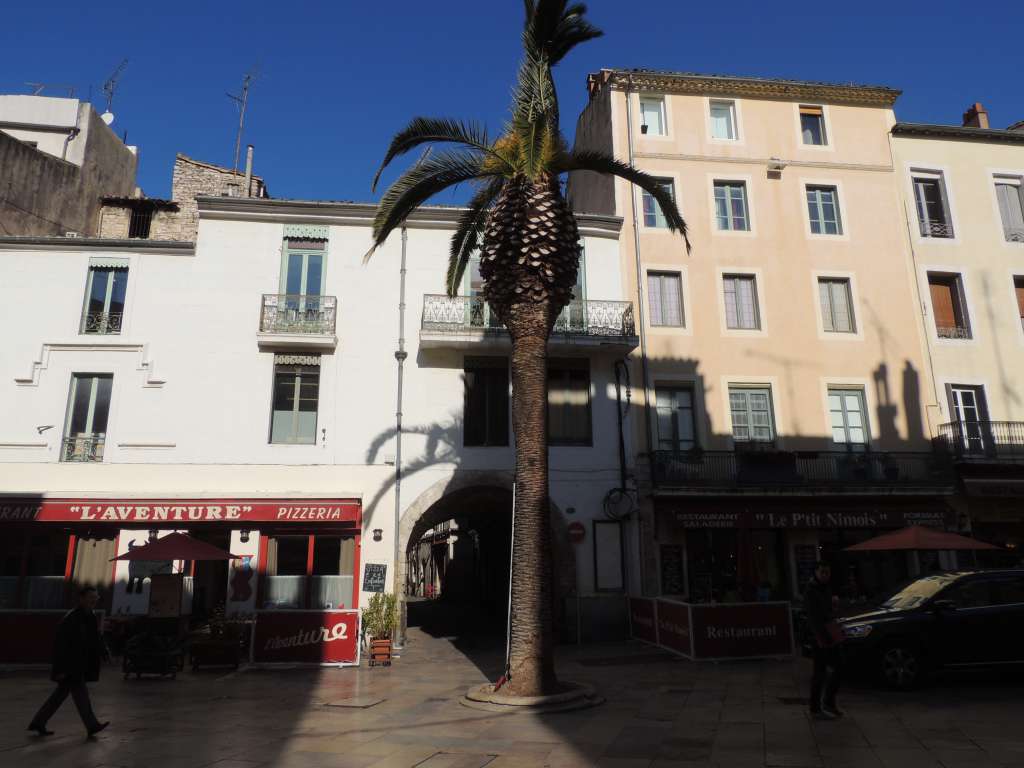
337	79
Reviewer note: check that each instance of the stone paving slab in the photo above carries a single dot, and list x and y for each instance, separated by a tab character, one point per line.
660	713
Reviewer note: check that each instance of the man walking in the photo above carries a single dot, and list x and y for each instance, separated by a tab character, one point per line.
820	607
77	652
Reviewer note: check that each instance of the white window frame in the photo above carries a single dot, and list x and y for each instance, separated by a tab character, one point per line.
942	174
760	288
831	389
830	138
666	117
738	138
1015	178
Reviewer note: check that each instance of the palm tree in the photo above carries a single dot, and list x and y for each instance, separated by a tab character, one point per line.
529	256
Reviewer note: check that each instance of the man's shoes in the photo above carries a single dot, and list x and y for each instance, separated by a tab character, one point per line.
98	728
833	710
40	730
823	714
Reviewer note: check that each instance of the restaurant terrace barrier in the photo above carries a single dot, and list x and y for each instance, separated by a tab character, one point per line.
709	632
313	637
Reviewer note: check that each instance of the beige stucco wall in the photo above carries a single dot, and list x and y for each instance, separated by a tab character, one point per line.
987	263
791	354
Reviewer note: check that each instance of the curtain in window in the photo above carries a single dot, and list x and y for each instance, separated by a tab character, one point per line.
721	120
740	303
569	403
665	298
823	211
1011	210
836	314
651	115
731	206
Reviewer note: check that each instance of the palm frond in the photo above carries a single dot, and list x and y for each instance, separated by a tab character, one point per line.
598	162
418	184
553	28
468	229
426	130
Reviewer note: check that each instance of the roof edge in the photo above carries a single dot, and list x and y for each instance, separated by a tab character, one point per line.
57	243
959	132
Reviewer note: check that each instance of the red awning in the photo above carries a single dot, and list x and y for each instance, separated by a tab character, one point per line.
177	546
919	537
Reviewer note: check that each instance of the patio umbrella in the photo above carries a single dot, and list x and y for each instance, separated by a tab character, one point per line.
177	546
919	537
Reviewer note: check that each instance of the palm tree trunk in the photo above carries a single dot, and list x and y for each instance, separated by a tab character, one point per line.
532	658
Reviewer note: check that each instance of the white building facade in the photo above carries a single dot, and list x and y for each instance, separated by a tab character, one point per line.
244	389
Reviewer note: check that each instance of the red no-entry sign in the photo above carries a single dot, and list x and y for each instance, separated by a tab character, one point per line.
577	533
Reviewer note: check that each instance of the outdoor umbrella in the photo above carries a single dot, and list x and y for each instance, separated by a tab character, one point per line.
177	546
919	537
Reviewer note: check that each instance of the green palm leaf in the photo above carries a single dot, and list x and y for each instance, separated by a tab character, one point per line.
467	232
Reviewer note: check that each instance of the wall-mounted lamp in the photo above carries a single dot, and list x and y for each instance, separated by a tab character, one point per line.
243	536
378	534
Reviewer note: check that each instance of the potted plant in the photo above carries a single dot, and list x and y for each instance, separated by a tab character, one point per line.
379	620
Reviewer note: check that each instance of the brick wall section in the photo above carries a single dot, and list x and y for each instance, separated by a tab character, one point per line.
114	222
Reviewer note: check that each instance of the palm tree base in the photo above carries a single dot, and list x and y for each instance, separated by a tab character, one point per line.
572	696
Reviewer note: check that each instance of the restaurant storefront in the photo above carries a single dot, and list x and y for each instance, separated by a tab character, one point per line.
725	550
296	566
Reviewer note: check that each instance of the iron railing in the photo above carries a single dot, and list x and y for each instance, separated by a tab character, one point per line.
799	469
83	447
936	229
102	322
1014	234
952	332
470	314
991	439
298	313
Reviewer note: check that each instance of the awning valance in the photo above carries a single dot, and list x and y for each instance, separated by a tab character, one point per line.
306	231
108	262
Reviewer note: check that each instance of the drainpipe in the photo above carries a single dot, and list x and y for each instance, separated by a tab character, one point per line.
72	133
400	356
645	370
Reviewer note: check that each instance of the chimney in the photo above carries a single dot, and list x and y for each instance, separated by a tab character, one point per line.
976	116
249	170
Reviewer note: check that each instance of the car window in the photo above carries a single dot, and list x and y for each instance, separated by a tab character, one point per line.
969	594
1008	591
917	592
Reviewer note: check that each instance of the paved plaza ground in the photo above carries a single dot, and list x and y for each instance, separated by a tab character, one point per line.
660	712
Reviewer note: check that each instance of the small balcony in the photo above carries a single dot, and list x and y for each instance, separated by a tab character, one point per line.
83	447
800	472
102	323
981	441
467	322
295	320
936	229
952	332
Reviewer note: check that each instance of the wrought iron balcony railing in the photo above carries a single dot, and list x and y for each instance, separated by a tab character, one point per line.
936	229
983	439
952	332
83	447
469	314
795	470
298	313
102	322
1014	234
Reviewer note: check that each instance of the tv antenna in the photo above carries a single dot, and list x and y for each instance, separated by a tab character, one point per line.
111	85
242	100
38	88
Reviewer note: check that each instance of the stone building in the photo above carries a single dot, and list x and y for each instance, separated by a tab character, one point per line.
58	158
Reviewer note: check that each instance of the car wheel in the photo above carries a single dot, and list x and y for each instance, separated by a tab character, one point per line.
902	666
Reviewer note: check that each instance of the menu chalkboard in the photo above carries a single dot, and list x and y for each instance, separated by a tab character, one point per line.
374	577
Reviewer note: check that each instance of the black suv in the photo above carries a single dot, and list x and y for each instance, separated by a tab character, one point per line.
967	618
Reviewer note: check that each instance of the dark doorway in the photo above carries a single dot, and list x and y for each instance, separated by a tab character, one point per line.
209	577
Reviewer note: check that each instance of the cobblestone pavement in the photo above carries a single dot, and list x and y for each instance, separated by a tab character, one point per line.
660	712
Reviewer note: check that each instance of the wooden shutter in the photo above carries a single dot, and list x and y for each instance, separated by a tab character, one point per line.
942	303
1018	285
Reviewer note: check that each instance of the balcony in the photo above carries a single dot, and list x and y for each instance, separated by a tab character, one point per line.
293	320
952	332
467	322
1000	441
936	229
800	472
102	323
83	447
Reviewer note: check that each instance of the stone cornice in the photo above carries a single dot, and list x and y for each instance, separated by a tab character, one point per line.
961	133
39	243
748	87
361	214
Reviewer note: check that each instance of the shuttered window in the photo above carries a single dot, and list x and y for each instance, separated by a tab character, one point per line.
1011	208
836	307
948	306
741	311
812	125
664	292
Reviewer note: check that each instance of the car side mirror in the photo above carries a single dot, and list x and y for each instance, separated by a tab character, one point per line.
942	606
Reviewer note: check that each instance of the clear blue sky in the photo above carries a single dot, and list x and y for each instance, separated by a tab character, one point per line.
338	78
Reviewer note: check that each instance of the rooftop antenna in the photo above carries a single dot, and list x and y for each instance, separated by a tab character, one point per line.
242	101
38	88
108	88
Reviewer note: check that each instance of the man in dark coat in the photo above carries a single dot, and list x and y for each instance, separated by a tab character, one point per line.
819	606
77	652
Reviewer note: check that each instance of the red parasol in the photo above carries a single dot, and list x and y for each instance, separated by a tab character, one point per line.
177	546
919	537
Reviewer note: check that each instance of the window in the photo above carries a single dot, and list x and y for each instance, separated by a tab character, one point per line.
970	594
105	291
1018	289
653	216
32	567
664	293
304	266
652	116
569	402
1009	590
949	306
88	409
823	211
751	409
139	221
847	417
296	394
723	120
675	419
314	572
741	312
812	125
1011	207
485	420
836	306
969	410
731	205
478	311
932	206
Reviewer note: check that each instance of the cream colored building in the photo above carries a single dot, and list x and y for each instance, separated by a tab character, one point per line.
964	211
783	377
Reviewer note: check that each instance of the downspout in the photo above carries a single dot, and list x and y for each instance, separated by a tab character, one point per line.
400	356
641	321
72	133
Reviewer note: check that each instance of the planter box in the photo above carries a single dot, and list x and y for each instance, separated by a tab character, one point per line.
380	653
